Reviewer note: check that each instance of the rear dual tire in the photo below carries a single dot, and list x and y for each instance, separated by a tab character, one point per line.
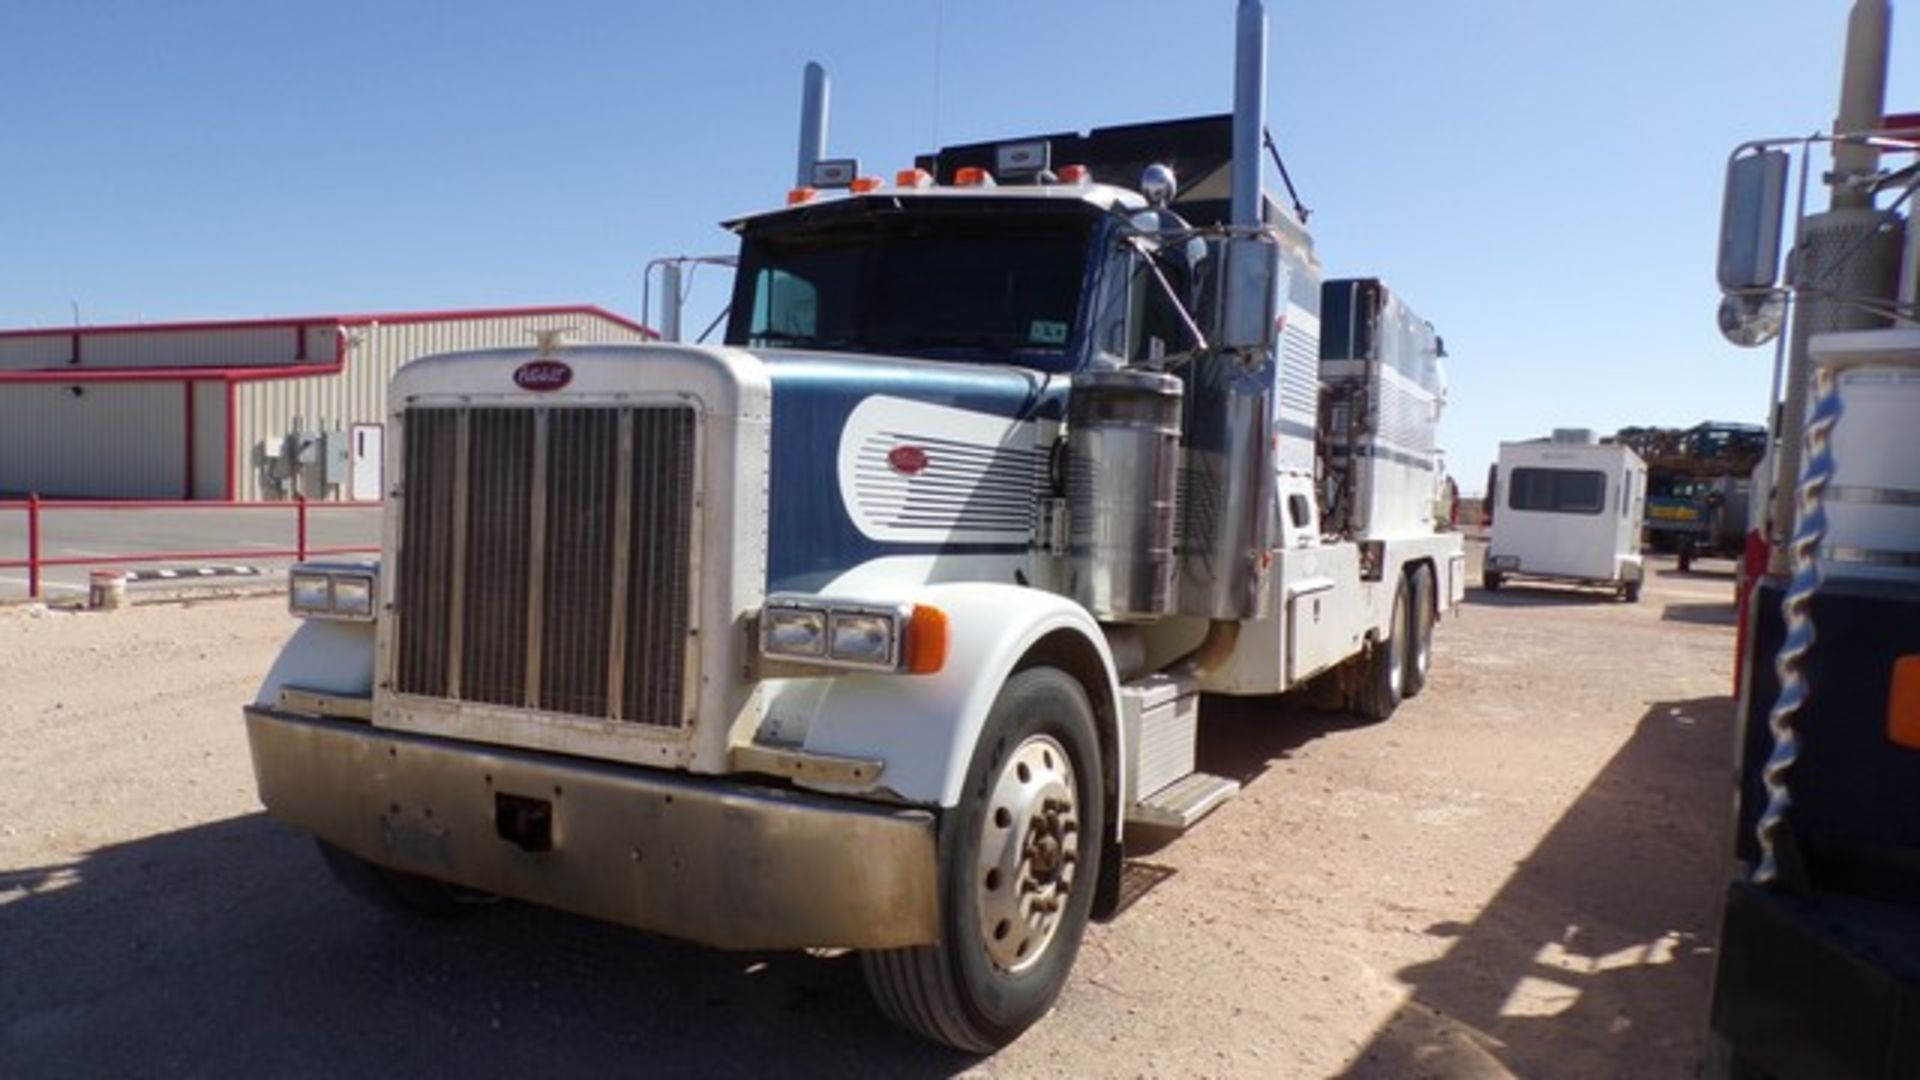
1397	667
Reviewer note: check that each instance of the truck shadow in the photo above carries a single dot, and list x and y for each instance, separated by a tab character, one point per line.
1710	613
225	949
1599	946
1240	739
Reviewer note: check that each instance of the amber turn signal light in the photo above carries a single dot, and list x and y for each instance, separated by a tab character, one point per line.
928	636
1903	703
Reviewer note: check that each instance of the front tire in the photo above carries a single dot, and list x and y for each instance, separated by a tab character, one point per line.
1020	859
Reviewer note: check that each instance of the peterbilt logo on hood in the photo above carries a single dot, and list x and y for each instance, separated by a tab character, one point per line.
907	459
542	375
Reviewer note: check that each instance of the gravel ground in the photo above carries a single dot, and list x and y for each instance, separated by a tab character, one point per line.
1514	876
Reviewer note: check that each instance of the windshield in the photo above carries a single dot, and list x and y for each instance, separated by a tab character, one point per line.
934	282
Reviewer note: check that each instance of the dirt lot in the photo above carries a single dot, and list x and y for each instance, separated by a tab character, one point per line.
1513	876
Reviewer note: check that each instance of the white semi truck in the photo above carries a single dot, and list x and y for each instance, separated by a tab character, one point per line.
884	624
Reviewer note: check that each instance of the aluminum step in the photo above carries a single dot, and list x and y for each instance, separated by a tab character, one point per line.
1183	802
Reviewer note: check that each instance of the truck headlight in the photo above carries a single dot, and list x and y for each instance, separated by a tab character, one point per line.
856	634
333	591
866	639
309	593
794	632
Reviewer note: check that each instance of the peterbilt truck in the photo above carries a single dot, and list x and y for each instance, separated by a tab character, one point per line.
884	623
1818	965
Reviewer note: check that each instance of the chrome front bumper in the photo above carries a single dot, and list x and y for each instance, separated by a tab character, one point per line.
731	865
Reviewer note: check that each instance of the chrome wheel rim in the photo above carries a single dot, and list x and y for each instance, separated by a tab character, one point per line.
1029	839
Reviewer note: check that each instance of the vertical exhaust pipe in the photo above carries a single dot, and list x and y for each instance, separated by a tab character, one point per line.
813	122
1249	110
1227	516
1844	233
1863	95
670	301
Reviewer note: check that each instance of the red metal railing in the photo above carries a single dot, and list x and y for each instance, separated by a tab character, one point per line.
35	507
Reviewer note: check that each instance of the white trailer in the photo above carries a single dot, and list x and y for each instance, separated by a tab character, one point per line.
1567	509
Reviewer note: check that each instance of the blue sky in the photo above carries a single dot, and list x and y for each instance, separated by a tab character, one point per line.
1540	179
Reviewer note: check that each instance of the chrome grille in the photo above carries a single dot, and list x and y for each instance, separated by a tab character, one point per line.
545	557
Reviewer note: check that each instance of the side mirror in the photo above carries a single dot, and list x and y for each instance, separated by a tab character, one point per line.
1249	297
1750	219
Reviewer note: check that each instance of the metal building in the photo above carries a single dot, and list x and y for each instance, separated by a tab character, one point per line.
260	409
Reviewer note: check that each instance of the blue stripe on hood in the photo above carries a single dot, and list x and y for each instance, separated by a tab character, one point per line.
810	539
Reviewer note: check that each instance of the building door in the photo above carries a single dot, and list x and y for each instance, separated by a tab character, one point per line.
368	455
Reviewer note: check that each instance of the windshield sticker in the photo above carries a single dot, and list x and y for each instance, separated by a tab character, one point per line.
1047	332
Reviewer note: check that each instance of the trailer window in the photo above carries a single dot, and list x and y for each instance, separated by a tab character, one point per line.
1557	491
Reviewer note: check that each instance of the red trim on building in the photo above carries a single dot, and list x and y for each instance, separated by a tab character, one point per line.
273	371
449	315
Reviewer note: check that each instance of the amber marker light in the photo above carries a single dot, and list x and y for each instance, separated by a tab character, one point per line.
800	195
913	178
1903	703
864	184
928	636
972	176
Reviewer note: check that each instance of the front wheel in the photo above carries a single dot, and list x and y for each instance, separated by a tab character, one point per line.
1020	856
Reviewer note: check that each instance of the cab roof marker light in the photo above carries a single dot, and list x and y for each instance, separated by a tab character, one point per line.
1075	174
864	184
916	179
801	195
973	176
